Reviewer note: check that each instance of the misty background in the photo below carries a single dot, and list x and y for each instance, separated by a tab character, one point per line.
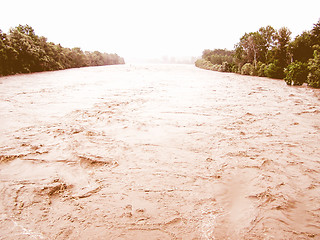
168	30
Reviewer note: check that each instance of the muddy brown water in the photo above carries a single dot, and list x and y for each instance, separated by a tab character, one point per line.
157	152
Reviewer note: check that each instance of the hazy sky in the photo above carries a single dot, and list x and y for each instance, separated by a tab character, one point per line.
147	28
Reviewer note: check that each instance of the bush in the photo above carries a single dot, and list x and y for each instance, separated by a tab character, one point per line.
273	70
217	67
261	69
296	73
202	63
235	69
226	67
247	69
314	68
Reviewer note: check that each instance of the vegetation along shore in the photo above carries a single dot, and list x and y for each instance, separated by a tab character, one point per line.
22	51
271	53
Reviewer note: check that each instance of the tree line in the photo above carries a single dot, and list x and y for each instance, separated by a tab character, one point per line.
271	53
22	51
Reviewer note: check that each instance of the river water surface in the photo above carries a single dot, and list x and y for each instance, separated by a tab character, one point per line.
157	152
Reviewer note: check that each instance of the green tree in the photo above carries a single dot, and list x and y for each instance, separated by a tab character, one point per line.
250	47
301	48
296	73
314	68
26	48
281	52
315	34
254	46
239	56
268	34
206	54
22	51
3	53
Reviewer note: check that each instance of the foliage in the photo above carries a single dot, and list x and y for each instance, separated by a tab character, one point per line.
3	51
274	70
281	54
296	73
261	69
301	48
202	63
271	53
235	68
223	52
314	68
268	35
219	59
254	46
267	46
205	64
247	69
226	67
315	34
22	51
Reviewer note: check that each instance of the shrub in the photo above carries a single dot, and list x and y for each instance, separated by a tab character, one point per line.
254	72
226	67
235	69
296	73
261	69
273	70
216	67
202	63
314	68
247	69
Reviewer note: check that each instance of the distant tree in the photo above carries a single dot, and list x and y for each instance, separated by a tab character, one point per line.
301	48
206	54
3	52
315	34
77	57
26	30
220	59
239	55
271	53
22	45
22	51
223	52
268	35
281	52
253	46
314	68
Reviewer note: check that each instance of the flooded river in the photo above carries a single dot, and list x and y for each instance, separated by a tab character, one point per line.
157	152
